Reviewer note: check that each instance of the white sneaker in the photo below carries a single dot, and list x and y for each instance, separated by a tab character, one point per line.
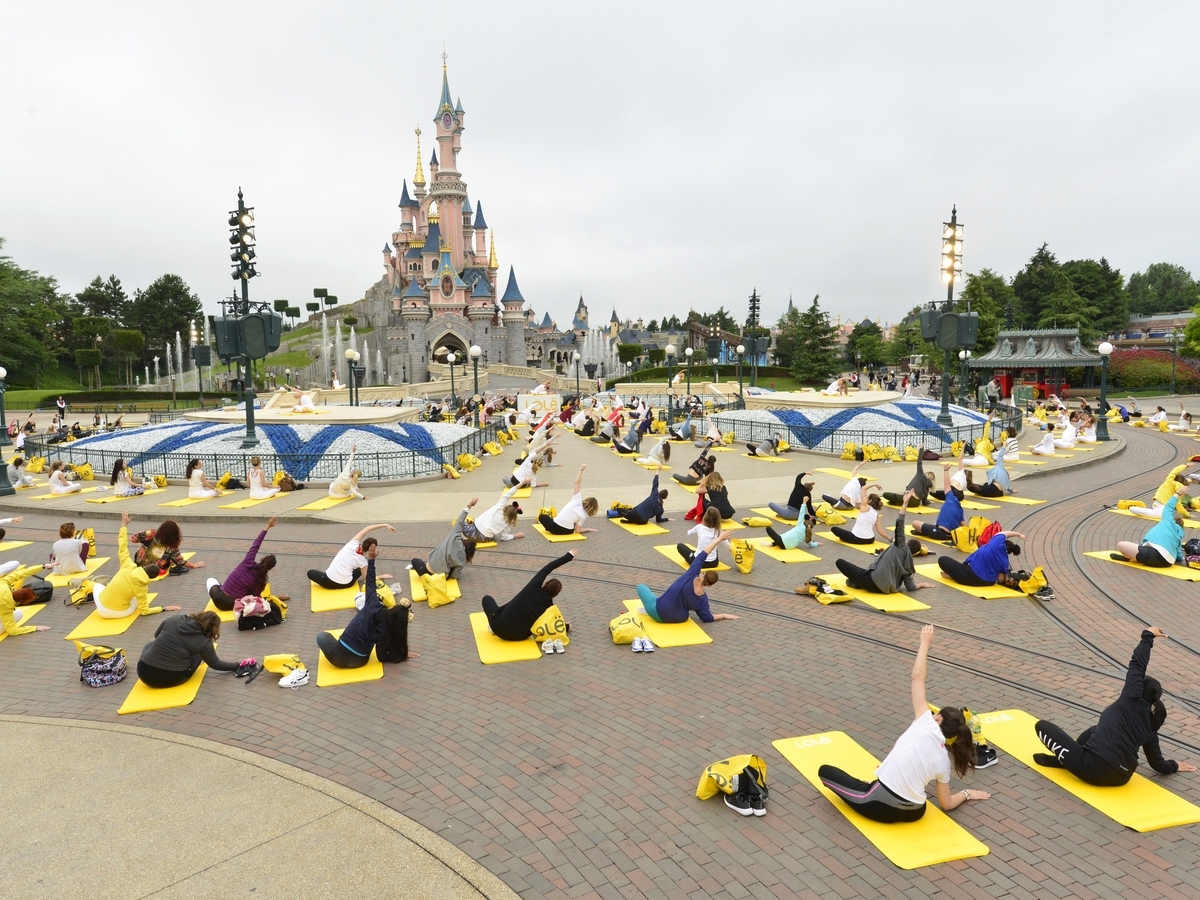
294	679
637	645
548	647
647	645
559	647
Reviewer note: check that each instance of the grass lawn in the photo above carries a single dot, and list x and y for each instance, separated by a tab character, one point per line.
293	359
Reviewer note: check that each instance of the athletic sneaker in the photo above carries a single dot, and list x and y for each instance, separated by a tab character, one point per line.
647	646
758	803
294	679
1044	594
548	647
559	647
985	756
739	801
637	645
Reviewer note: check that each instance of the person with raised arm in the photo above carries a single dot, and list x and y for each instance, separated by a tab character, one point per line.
347	567
570	520
687	593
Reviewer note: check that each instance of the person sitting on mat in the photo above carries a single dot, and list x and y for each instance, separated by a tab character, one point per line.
180	644
1162	547
368	627
801	533
127	594
16	477
58	480
259	489
572	516
11	599
497	522
713	492
769	447
1106	754
851	494
453	554
892	569
711	436
659	455
123	481
950	516
69	553
988	565
249	578
996	483
686	594
199	487
650	508
703	465
514	620
800	500
929	749
1185	420
682	431
1045	447
1165	492
1159	415
632	441
345	485
918	487
867	526
347	567
588	427
528	468
161	545
705	530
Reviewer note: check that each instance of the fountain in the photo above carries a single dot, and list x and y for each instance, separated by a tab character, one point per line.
155	371
339	355
366	362
179	359
379	367
147	368
325	367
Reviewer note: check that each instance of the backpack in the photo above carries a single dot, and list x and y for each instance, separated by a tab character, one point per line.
266	620
43	591
102	666
287	484
989	531
393	643
1192	547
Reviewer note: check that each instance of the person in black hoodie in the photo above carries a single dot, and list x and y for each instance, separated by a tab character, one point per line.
353	649
1106	754
919	487
180	644
514	620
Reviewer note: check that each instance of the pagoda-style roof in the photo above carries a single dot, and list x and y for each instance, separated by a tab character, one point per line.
1049	348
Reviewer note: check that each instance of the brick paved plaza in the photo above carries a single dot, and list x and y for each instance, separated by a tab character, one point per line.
575	775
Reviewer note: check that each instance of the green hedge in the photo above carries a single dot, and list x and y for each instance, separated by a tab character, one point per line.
79	399
701	371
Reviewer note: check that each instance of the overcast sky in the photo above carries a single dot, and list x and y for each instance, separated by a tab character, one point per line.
655	156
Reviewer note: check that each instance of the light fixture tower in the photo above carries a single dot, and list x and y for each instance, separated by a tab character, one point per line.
741	352
688	353
475	352
1105	350
952	248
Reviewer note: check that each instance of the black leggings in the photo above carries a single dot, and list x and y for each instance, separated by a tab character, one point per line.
1148	556
1077	759
870	798
547	521
849	537
338	654
933	532
154	677
691	479
318	577
621	448
991	489
633	517
220	599
856	576
960	573
689	555
836	503
588	429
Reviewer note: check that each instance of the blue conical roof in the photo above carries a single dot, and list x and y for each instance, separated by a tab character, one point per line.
444	102
479	222
414	290
458	107
433	239
405	200
466	206
546	323
396	290
512	293
433	157
482	289
387	248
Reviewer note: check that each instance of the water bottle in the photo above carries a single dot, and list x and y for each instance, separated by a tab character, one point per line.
974	723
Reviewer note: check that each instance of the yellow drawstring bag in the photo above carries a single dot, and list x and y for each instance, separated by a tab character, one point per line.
718	778
743	555
88	535
436	592
849	450
223	481
910	453
85	472
625	627
282	663
469	463
160	481
756	521
35	464
550	626
1163	426
502	437
550	511
891	453
279	476
659	427
491	448
727	438
451	472
956	448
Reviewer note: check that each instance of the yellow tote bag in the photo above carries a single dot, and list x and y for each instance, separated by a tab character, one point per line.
743	555
436	592
625	627
550	626
719	776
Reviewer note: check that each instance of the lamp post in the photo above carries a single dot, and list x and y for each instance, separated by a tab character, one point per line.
4	438
1105	350
1174	339
450	358
352	358
475	352
670	351
688	353
575	357
716	360
741	352
963	356
952	247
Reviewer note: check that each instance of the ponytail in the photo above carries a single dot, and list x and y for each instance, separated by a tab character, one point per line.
960	742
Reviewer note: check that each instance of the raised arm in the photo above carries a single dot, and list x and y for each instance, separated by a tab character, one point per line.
350	463
1136	675
544	572
362	534
579	479
898	537
252	553
946	478
920	706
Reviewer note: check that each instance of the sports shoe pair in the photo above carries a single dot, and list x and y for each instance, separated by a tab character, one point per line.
549	647
294	679
642	645
985	756
748	797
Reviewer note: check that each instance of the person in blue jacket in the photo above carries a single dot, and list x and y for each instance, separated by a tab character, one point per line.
950	516
686	594
353	649
1163	544
986	566
649	509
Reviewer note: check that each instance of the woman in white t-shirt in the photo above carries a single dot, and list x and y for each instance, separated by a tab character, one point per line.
707	531
852	493
123	483
350	563
932	746
259	489
58	480
1045	447
570	520
199	487
867	525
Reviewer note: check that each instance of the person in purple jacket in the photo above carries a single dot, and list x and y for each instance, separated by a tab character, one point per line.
687	594
249	578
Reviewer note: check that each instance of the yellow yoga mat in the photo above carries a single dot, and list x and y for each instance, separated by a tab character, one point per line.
189	501
418	591
767	458
641	530
186	556
1182	573
113	498
889	603
771	514
87	490
977	504
524	493
324	503
932	839
844	473
95	625
93	564
651	466
227	616
1055	455
677	634
923	510
1024	462
147	699
325	600
13	545
991	592
485	545
1187	523
690	488
1142	804
796	555
731	525
669	551
558	538
865	548
27	613
247	503
493	650
329	675
1021	501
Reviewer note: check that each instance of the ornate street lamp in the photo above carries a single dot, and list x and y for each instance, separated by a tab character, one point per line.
450	358
741	352
670	351
1105	350
475	352
688	353
952	248
716	361
575	357
963	356
4	438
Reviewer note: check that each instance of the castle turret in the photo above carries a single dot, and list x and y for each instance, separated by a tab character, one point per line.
407	208
415	313
419	175
481	312
480	229
468	230
514	322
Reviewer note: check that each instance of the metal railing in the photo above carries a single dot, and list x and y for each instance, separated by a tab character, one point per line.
375	466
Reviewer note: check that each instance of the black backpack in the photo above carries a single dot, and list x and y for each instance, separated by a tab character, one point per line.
43	590
393	643
257	623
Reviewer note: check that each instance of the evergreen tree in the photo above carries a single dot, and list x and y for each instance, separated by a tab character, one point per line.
988	294
1162	288
31	322
1033	284
789	332
1102	287
104	299
816	357
165	307
1065	308
906	340
861	330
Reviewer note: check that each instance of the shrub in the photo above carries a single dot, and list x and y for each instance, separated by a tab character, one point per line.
1149	368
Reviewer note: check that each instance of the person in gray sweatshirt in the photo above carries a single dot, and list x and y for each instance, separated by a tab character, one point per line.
452	554
893	569
180	644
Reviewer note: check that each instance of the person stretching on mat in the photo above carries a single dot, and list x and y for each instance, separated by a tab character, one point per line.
769	447
892	569
497	522
574	514
950	516
453	554
128	592
180	644
918	487
347	567
632	441
988	565
996	483
851	494
123	482
527	470
161	545
12	598
514	620
58	480
708	528
1165	492
1106	754
1045	447
69	553
713	492
199	487
1162	547
867	526
1185	420
259	489
800	500
249	578
932	746
703	465
660	454
650	508
368	627
345	485
686	594
16	477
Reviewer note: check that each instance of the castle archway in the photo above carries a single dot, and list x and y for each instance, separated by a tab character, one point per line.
449	343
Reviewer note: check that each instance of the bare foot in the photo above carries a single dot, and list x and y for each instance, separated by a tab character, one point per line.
199	565
386	576
412	655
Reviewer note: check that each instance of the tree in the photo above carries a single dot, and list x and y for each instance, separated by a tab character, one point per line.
93	329
90	359
906	339
871	349
312	307
1102	287
1065	308
350	320
653	326
104	298
656	355
167	306
815	356
293	313
861	330
1162	288
721	319
1033	284
785	345
129	344
32	322
990	295
627	353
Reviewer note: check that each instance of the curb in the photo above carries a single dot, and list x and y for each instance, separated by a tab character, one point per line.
478	877
1082	464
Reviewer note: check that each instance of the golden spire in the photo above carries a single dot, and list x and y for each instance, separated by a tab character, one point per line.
419	178
432	213
492	264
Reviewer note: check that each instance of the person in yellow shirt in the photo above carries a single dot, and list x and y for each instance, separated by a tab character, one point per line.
1165	492
12	595
127	593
